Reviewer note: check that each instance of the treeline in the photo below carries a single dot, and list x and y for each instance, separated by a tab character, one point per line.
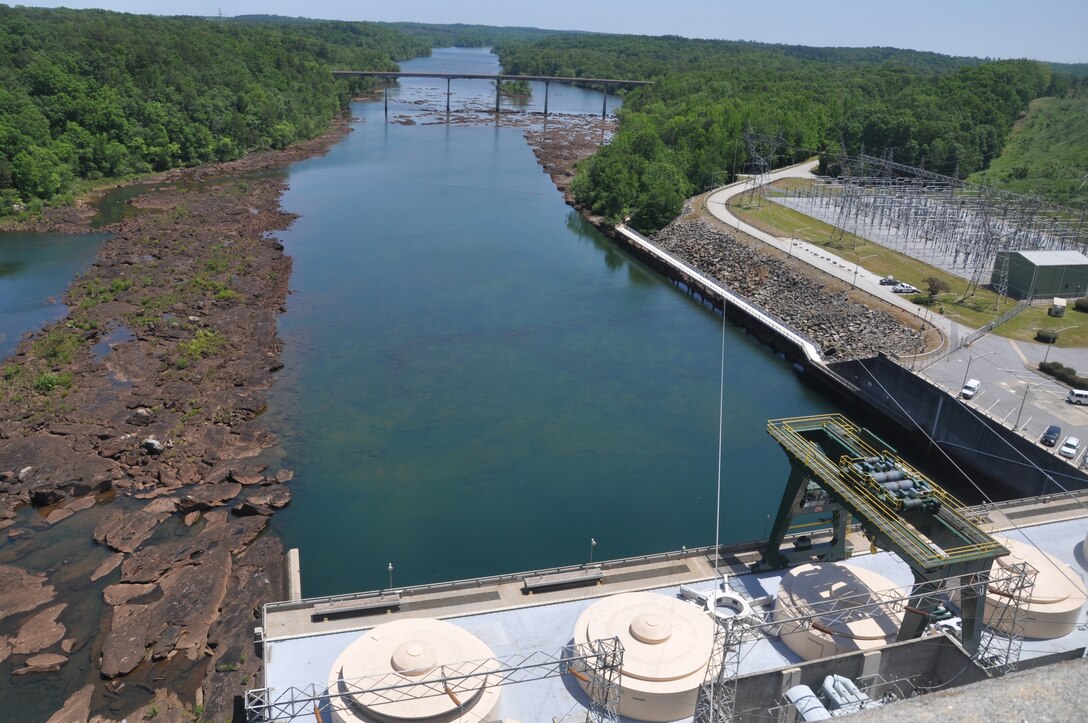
470	36
686	132
92	94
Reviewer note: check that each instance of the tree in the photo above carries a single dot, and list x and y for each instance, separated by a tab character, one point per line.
936	286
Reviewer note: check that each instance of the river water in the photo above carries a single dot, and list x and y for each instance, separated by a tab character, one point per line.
478	382
35	270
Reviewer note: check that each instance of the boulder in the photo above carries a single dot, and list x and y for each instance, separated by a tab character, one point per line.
76	708
44	663
209	496
21	591
108	565
122	594
124	646
39	632
125	530
264	501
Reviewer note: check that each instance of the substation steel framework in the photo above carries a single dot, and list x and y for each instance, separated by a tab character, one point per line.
596	664
998	652
945	221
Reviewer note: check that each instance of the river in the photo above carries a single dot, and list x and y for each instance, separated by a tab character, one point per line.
478	382
35	271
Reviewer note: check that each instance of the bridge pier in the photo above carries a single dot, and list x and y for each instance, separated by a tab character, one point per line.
498	86
604	101
448	96
546	84
385	96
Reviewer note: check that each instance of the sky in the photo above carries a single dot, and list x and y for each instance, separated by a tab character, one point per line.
1055	30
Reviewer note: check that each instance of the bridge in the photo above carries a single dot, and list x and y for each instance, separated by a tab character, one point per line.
546	79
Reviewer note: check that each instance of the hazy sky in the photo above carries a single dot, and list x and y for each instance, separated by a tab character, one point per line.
1042	29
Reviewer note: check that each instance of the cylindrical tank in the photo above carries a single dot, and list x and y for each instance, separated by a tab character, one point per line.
839	598
1051	608
666	647
412	651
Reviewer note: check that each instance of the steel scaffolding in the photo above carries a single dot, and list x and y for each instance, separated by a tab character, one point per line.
596	664
717	696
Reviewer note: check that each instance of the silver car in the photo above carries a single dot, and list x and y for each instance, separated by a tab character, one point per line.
1069	447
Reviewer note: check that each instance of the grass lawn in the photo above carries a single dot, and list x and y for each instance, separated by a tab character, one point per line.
974	311
1024	324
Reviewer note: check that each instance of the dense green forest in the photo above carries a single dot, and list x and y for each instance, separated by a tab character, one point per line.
471	36
684	133
92	94
1047	152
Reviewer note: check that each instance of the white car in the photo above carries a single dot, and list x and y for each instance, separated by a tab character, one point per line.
970	389
902	288
1069	447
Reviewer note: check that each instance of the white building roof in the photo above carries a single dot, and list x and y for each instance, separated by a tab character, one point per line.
1055	258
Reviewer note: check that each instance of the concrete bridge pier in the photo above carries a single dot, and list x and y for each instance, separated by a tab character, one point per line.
447	97
546	84
385	96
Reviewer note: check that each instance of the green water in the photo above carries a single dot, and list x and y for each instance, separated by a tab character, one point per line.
479	382
35	270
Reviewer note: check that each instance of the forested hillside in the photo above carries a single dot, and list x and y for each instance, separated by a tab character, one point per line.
950	115
92	94
1047	152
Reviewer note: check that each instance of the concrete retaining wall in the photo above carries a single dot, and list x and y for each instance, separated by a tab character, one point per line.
911	664
1017	465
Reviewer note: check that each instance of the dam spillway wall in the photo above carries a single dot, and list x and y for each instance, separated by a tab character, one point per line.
925	411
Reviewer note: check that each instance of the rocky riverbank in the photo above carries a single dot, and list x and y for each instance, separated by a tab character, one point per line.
808	301
140	412
812	304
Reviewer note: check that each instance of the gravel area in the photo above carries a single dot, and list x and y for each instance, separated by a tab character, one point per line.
842	327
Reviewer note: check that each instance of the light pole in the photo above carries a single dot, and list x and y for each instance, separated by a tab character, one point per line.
390	568
793	236
592	544
857	263
1027	388
969	360
1056	332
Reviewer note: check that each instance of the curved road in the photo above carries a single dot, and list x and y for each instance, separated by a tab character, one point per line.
1013	391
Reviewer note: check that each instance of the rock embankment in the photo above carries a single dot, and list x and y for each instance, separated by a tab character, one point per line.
135	422
842	327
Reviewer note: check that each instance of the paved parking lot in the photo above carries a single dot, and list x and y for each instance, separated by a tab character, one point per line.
1008	371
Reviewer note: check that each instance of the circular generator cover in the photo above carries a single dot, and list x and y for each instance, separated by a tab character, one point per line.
1050	608
412	650
666	642
840	600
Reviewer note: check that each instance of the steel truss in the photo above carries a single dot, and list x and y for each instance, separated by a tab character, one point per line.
957	226
596	663
999	653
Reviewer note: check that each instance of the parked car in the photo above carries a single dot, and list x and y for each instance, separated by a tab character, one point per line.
1069	447
970	389
1051	435
1077	396
889	281
902	288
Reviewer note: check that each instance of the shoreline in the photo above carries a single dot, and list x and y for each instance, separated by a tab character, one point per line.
165	423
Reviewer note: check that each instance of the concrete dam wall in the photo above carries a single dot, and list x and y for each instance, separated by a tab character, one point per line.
969	436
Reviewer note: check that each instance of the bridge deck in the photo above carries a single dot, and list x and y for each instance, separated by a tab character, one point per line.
486	76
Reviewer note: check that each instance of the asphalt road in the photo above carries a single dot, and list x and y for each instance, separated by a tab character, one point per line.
1007	369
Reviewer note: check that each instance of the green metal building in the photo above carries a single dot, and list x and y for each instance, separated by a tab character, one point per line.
1043	274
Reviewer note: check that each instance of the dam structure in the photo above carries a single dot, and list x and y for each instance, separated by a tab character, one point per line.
709	634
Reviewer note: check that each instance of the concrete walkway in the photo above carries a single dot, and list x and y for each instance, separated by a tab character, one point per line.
717	204
1013	390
